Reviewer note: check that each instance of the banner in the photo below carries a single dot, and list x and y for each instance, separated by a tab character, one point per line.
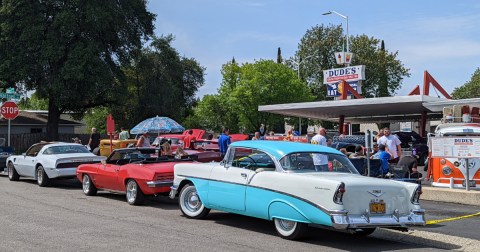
343	57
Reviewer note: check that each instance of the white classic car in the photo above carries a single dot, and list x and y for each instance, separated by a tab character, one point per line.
295	185
48	160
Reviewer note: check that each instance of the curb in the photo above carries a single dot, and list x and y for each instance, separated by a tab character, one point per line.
460	196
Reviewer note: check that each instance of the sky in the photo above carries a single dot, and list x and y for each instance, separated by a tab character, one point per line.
440	36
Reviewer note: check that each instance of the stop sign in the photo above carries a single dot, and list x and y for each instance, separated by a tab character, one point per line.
9	110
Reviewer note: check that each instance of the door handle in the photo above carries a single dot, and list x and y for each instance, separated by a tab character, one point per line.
244	175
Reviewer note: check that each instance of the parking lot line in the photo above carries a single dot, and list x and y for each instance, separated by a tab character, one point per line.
430	222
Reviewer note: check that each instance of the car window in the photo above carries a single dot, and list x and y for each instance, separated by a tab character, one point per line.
34	149
65	149
305	162
252	159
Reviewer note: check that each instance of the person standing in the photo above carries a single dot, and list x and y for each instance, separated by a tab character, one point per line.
224	141
94	140
392	143
320	161
187	141
257	136
123	134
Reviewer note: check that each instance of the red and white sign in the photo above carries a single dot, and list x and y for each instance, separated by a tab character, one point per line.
9	110
352	73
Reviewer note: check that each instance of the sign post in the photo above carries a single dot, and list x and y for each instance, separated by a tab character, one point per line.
110	129
9	111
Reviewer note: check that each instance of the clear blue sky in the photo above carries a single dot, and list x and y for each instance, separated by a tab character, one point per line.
441	36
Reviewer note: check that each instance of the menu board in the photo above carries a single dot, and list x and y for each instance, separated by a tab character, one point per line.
455	147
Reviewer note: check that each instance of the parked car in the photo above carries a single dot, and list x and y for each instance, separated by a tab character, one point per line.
278	181
48	160
134	171
5	152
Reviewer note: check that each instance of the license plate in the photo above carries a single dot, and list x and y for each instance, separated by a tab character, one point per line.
377	207
471	183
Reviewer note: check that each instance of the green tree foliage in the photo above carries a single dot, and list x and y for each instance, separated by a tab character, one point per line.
246	87
160	82
70	51
317	48
34	103
470	89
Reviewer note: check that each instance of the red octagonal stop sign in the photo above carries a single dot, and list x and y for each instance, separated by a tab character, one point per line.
9	110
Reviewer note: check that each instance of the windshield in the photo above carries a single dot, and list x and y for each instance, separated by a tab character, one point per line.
316	162
66	149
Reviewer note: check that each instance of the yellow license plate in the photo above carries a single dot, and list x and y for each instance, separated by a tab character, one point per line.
377	207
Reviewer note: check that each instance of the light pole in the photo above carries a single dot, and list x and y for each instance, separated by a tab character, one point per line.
298	63
346	18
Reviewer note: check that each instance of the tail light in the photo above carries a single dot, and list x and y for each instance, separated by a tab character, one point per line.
338	197
416	195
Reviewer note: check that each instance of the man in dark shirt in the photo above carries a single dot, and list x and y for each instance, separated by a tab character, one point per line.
409	161
94	140
224	141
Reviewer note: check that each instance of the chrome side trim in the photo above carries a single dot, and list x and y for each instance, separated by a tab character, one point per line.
159	183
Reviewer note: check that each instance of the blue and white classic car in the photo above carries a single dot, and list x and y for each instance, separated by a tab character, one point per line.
295	185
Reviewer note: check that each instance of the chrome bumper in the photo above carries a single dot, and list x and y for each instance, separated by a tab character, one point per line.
159	183
173	192
342	220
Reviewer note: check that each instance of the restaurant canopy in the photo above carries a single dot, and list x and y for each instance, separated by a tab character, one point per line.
370	110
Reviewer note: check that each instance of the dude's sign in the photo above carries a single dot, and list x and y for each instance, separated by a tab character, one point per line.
456	147
352	75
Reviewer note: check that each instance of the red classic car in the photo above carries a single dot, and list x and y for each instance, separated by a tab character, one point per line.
136	172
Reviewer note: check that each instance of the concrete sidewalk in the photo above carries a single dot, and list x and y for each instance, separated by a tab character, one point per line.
460	196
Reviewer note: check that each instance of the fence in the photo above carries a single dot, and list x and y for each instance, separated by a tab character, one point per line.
21	142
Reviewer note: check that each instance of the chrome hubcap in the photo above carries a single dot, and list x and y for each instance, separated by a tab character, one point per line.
86	183
131	191
191	200
39	175
10	171
286	225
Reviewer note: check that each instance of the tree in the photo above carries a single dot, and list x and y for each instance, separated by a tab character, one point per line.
33	103
159	82
246	87
317	48
471	89
71	52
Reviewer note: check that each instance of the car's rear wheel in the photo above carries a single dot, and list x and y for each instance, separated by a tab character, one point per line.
12	173
190	203
134	195
364	231
290	230
42	177
88	187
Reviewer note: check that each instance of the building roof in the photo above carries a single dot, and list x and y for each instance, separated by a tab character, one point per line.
34	119
380	109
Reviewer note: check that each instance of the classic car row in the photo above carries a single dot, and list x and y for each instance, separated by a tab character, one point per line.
293	184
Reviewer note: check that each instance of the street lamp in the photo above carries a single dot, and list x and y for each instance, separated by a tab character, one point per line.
298	63
346	18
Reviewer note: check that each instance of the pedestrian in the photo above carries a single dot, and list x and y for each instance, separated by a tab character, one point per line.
224	141
94	140
143	140
392	143
124	135
257	136
409	161
384	156
188	139
320	161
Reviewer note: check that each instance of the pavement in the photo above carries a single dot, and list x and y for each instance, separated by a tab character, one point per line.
460	196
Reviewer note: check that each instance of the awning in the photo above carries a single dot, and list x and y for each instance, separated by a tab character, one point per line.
381	109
